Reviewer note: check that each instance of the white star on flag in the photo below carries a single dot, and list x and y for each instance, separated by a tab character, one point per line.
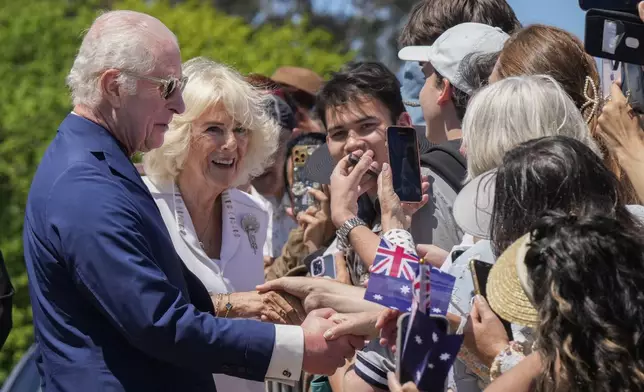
445	356
418	375
434	337
436	310
377	297
393	307
430	366
405	290
419	340
409	309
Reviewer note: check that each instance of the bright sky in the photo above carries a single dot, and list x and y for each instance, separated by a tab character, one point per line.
565	14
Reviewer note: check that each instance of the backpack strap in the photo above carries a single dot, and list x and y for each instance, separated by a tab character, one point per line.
446	160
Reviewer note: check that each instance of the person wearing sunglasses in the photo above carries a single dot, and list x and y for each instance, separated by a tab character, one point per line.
114	306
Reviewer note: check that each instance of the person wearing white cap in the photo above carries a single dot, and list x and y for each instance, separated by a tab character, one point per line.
446	91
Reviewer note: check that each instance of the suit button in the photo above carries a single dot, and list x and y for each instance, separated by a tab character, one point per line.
286	374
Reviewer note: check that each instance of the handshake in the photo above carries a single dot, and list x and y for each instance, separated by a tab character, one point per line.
322	355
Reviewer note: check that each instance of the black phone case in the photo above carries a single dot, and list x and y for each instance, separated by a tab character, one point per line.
597	43
614	5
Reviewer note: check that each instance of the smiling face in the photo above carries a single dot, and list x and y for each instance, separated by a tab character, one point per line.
359	125
218	147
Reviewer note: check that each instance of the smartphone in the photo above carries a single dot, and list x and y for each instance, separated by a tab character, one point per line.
614	5
613	35
403	325
300	196
353	160
323	266
480	272
404	160
632	76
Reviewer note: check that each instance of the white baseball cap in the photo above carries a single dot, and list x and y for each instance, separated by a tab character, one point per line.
453	46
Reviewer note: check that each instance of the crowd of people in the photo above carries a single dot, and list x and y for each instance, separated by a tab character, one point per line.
193	271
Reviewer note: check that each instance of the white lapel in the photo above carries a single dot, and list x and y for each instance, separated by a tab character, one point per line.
184	238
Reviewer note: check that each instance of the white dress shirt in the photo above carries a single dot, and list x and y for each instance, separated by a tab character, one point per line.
239	269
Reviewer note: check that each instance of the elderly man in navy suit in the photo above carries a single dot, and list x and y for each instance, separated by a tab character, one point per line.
114	309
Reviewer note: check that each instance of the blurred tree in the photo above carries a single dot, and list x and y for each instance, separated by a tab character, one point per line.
40	40
369	26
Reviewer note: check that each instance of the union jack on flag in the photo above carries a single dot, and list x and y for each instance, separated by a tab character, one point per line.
394	261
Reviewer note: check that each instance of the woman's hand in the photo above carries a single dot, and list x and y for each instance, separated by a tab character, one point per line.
387	324
348	183
432	254
357	324
484	333
274	307
316	221
396	215
394	385
620	126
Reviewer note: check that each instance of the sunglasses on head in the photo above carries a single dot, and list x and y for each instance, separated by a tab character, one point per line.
167	86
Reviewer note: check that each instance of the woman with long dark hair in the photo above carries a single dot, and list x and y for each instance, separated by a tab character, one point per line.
552	173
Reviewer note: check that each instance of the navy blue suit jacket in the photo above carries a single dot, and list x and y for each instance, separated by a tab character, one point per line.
111	304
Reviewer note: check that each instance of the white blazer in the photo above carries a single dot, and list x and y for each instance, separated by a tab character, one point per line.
241	264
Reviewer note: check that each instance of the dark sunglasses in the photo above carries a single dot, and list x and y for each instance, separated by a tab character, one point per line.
167	86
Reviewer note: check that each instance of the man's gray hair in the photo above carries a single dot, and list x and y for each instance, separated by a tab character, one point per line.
124	40
515	110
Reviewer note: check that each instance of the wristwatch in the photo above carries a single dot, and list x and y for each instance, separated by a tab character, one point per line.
343	232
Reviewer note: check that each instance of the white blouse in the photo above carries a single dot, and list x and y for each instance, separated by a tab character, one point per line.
240	267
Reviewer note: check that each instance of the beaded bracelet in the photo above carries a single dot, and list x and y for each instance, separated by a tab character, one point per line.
508	358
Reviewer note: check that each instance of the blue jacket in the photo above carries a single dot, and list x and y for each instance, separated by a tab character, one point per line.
111	300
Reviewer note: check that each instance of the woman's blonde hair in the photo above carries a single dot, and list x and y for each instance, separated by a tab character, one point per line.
209	84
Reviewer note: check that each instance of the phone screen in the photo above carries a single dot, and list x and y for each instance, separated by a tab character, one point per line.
405	163
615	5
480	273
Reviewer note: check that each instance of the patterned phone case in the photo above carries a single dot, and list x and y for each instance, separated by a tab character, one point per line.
299	190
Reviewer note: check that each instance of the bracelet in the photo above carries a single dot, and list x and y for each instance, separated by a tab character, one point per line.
228	305
508	358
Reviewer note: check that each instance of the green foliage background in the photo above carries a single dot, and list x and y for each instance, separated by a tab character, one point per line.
39	41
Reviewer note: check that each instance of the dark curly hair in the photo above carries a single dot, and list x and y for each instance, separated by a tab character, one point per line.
588	274
550	173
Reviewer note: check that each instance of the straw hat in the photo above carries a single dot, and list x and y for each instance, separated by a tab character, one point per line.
508	288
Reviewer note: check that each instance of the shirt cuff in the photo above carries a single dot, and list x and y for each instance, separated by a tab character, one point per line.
401	238
288	353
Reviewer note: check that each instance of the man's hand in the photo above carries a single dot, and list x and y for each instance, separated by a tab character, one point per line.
322	356
396	215
640	8
347	184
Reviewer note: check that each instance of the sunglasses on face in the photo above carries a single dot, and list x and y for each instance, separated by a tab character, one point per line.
167	86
